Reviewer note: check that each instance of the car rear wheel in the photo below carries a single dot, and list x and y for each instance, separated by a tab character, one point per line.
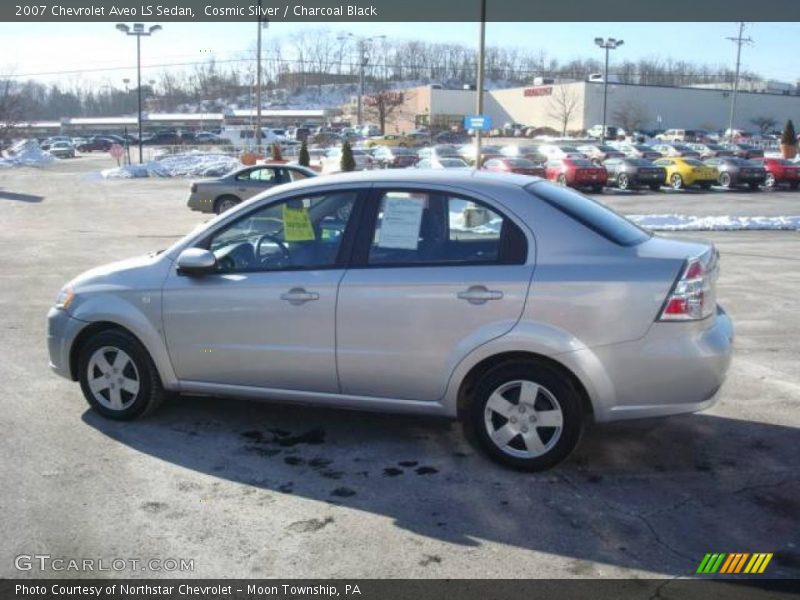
225	203
525	415
623	182
770	180
725	180
561	179
118	377
676	181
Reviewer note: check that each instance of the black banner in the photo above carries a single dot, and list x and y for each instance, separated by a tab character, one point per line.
397	10
401	589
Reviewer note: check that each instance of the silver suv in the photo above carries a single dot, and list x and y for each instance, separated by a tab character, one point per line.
522	308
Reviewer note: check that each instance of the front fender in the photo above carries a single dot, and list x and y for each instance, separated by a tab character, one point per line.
139	313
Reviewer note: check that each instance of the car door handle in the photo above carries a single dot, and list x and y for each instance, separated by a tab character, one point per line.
299	296
478	294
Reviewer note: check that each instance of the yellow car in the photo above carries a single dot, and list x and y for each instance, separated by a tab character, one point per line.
387	140
685	172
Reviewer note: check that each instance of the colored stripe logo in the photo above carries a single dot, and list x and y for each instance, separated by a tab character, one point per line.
733	563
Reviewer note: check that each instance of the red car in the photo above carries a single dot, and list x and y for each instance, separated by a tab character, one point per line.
780	171
577	173
522	166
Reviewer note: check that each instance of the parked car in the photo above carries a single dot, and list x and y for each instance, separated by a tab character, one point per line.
332	161
46	144
746	151
733	171
577	173
62	150
163	138
600	152
710	150
682	135
99	143
388	157
686	172
675	150
538	311
467	152
222	194
529	152
442	162
387	140
439	151
631	173
612	133
207	137
639	151
554	151
450	137
521	166
780	171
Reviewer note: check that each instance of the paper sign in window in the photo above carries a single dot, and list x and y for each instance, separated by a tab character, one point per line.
400	225
297	225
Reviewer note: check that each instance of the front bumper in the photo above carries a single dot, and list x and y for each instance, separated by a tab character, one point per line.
62	329
676	368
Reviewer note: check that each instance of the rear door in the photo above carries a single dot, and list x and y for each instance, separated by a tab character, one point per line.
435	274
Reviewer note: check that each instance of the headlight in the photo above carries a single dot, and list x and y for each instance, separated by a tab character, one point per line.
65	297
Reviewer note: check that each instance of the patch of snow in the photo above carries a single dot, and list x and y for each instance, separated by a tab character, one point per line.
189	164
26	153
675	222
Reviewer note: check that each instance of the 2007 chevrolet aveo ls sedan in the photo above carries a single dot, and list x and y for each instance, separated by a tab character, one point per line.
523	308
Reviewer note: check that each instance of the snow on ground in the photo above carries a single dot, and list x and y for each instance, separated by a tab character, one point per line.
188	164
676	222
26	153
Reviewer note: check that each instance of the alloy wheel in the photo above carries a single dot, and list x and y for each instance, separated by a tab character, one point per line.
523	419
113	378
676	181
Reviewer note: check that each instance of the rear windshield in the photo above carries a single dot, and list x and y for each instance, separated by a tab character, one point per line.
639	162
592	214
581	162
520	162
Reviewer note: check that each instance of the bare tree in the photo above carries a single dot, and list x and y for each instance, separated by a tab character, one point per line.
563	106
764	124
384	106
630	115
12	110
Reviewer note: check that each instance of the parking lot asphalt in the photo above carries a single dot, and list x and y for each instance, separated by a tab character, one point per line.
258	490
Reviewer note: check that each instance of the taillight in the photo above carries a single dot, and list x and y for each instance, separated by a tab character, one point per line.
194	188
692	297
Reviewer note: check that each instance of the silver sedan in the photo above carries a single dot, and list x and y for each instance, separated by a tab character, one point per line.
522	308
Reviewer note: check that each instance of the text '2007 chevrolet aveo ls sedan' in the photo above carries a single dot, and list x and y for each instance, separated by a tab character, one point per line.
522	308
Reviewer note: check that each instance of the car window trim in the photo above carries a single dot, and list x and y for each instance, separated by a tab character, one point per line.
344	253
365	232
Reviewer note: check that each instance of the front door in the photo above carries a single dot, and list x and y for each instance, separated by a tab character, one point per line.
266	316
439	275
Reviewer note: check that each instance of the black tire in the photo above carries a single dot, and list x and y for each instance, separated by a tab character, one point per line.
623	181
225	203
561	179
555	386
770	181
655	187
725	179
150	393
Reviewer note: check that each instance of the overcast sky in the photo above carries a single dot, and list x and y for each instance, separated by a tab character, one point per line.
37	48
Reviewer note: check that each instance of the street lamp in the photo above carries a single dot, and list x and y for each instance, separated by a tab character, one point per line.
139	31
609	44
363	60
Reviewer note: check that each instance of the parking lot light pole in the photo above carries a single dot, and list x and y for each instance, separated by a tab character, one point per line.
363	61
479	91
608	45
139	31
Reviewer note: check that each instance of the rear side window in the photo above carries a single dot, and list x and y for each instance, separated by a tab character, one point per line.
597	217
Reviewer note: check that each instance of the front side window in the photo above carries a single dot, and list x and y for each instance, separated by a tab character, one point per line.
426	228
301	233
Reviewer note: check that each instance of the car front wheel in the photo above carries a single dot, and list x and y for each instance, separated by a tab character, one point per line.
676	181
525	415
623	182
770	180
117	376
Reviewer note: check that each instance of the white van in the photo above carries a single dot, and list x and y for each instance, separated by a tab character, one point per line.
245	136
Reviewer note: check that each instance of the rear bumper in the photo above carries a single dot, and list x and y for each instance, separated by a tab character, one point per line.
201	204
676	368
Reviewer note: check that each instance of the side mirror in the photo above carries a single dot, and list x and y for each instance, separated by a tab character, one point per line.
196	261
